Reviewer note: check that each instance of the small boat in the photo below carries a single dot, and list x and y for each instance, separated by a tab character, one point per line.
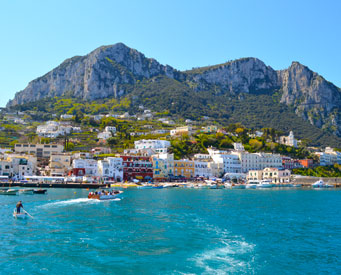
321	184
265	184
22	215
12	192
158	186
39	191
26	191
104	195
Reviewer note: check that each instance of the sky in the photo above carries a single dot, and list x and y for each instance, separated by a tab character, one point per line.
38	35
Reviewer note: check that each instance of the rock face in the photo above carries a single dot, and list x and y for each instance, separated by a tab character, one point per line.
99	74
108	70
240	76
314	98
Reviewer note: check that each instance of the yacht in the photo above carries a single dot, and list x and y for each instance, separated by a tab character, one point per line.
321	184
265	184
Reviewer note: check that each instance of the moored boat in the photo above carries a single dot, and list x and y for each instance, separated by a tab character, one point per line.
39	191
265	184
12	192
321	184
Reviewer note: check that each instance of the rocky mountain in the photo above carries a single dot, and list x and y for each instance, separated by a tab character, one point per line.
112	71
99	74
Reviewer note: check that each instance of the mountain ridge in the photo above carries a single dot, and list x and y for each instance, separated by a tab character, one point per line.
111	71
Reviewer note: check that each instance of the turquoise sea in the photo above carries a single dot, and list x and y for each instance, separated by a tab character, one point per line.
174	231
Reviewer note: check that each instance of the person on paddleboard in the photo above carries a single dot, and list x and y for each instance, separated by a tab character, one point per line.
19	205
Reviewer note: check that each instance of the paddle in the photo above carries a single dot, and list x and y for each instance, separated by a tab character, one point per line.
28	213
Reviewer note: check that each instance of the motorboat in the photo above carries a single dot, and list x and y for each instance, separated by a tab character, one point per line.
39	191
158	186
26	191
104	195
265	184
12	192
321	184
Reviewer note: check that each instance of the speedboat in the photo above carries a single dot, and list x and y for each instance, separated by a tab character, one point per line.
321	184
104	195
26	191
39	191
12	192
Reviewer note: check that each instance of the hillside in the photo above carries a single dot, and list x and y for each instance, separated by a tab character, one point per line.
225	92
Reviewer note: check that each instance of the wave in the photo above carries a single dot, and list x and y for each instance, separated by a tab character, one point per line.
231	257
73	201
232	254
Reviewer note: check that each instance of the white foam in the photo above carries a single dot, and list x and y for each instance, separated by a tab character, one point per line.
230	255
74	201
225	259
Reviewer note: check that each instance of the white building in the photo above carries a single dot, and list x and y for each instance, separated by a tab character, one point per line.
159	146
229	162
54	129
110	129
66	116
257	161
275	175
238	146
185	130
288	140
329	157
90	166
104	135
202	169
111	168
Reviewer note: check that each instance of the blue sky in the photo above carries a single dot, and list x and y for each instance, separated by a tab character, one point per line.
37	35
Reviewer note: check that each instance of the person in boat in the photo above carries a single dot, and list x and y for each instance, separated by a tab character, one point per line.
19	205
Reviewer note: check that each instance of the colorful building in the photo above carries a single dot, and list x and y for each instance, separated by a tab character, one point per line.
137	167
184	168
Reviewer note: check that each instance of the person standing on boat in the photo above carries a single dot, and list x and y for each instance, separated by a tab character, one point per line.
19	205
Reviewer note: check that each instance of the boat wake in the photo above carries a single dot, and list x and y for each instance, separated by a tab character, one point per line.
231	254
229	257
73	201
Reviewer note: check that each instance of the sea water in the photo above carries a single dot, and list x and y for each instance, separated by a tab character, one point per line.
174	231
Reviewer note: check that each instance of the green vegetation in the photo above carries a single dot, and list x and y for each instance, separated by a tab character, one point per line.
320	171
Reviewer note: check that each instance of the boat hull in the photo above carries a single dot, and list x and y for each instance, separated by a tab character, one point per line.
19	215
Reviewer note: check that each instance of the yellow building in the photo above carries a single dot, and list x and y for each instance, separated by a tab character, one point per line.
185	168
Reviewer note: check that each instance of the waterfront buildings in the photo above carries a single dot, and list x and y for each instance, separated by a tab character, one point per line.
59	165
111	168
163	166
184	168
275	175
137	167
